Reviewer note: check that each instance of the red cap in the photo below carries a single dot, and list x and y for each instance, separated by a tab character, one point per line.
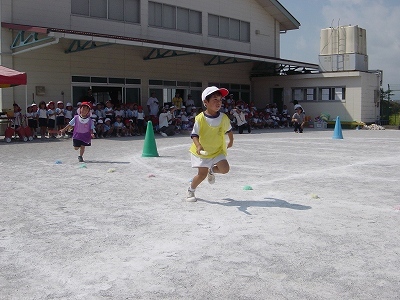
86	104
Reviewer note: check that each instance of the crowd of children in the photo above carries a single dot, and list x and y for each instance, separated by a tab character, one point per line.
242	116
47	119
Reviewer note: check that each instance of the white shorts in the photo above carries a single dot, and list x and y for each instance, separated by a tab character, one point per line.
198	162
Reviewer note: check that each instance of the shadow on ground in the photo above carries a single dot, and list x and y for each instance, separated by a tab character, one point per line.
243	205
106	162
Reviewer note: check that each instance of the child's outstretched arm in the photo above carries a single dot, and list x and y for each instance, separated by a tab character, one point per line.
66	128
230	136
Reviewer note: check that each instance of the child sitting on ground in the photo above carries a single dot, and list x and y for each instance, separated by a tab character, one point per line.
100	129
119	127
130	127
108	129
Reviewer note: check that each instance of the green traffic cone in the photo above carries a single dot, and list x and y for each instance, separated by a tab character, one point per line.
149	147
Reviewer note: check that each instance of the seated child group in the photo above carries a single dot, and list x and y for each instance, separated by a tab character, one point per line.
47	119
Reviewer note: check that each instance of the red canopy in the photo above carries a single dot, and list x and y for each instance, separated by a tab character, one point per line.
10	77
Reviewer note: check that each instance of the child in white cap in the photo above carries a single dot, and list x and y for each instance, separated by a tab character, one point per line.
209	148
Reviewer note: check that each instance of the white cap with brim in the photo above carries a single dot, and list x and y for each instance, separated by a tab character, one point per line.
213	89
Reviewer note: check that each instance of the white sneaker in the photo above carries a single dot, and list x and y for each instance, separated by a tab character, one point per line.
163	134
210	177
190	197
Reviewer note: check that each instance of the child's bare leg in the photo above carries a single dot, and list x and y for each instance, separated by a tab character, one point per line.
82	150
221	167
201	175
42	132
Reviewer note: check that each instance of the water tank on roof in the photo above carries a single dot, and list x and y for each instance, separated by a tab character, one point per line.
343	40
323	42
355	40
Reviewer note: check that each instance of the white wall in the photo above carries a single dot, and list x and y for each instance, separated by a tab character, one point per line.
52	68
57	14
359	104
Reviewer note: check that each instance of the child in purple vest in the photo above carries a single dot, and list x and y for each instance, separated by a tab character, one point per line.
83	129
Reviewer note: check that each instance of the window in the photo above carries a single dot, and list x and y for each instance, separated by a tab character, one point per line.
80	7
195	21
213	25
98	79
304	94
298	94
223	27
234	29
182	19
116	80
239	91
155	14
244	31
127	89
182	83
172	17
80	79
310	94
98	8
169	16
228	28
339	93
132	95
333	93
132	11
118	10
133	81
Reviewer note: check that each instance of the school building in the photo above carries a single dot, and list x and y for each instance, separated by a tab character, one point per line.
126	49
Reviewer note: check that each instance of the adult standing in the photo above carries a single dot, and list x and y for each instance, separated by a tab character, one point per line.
189	104
152	105
177	101
90	98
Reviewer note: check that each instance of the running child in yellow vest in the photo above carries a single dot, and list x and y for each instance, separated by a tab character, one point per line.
209	147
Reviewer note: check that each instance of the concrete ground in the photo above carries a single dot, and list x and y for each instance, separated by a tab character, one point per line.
299	216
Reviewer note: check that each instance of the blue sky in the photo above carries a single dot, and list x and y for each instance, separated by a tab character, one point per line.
380	19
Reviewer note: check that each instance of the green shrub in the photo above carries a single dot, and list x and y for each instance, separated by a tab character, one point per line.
394	120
